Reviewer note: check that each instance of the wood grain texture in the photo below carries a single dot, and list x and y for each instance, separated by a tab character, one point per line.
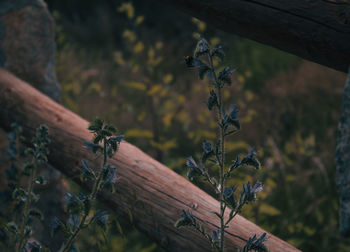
315	30
153	193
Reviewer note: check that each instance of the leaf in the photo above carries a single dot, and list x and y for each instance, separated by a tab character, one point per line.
86	172
187	219
217	147
40	180
256	244
249	193
56	224
225	76
86	202
203	69
111	128
96	125
229	196
212	100
234	166
109	178
194	170
193	62
201	48
27	169
28	232
73	204
250	159
113	146
218	52
34	247
207	148
74	222
101	218
35	197
232	117
207	152
216	235
92	146
97	139
19	193
36	213
117	139
12	227
258	187
105	133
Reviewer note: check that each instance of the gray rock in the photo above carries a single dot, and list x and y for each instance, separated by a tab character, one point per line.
27	44
27	49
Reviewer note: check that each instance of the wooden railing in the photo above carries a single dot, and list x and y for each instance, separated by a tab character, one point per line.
148	191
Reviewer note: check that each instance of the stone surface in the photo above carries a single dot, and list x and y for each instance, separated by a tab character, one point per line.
27	45
27	49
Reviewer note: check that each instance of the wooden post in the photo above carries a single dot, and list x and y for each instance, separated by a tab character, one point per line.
315	30
153	194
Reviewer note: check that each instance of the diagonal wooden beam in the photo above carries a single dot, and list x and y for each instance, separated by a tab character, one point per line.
151	192
316	30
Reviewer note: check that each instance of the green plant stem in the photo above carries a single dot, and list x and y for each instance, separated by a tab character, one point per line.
99	178
222	163
222	182
231	218
201	230
207	176
26	209
92	196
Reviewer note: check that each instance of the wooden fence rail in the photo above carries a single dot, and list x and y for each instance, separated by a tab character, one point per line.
315	30
152	193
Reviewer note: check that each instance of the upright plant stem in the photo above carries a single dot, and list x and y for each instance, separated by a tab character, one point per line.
92	196
222	179
26	209
222	163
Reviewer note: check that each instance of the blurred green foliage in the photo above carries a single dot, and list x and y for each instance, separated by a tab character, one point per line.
126	60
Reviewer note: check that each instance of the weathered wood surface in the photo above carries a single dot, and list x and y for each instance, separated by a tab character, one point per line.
315	30
153	193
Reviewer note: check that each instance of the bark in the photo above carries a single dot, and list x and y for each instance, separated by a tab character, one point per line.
343	162
315	30
152	193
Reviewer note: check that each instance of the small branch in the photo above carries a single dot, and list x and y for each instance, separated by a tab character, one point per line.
26	208
222	161
207	176
92	196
